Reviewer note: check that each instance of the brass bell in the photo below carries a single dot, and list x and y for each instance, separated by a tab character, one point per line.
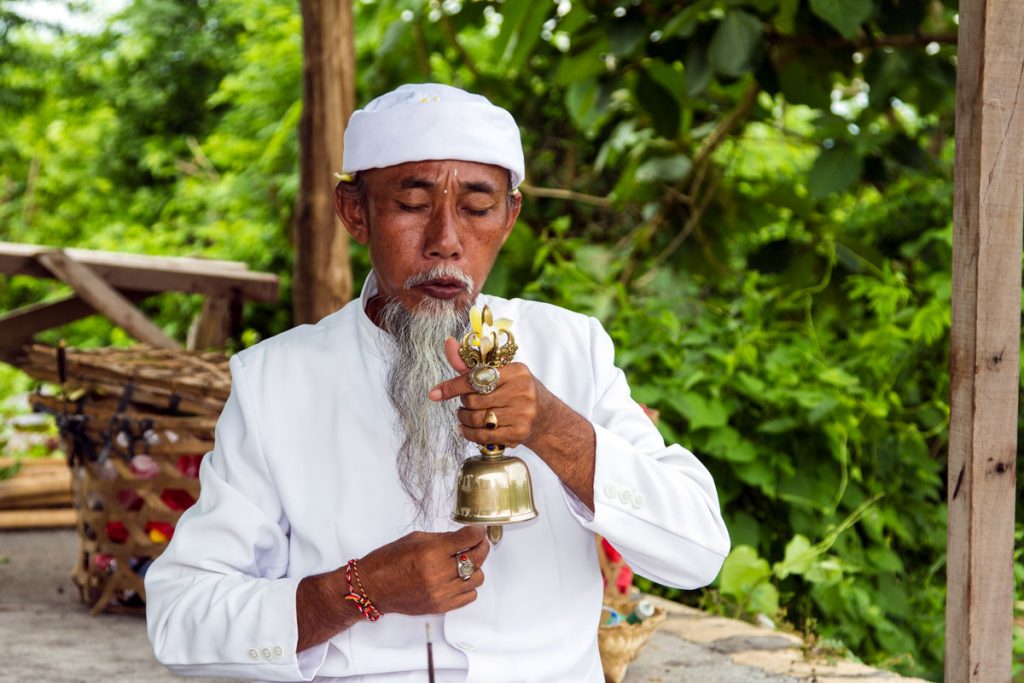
494	489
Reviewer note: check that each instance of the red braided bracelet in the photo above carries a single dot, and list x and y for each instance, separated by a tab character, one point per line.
360	598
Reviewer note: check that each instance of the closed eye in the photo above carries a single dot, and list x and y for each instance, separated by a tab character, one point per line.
411	208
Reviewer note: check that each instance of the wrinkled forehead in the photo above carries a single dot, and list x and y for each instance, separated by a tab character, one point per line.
465	176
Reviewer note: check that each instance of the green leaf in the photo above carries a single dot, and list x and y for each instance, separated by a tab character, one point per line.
684	23
587	104
741	571
745	577
734	43
764	599
835	170
697	70
528	35
668	77
700	411
801	84
625	36
668	169
845	16
838	377
757	473
785	18
828	570
581	67
798	558
727	444
659	102
512	15
778	425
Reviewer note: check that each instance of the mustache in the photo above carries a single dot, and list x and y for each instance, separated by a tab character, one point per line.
441	272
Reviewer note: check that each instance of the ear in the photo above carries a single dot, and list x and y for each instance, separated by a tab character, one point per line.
514	207
351	212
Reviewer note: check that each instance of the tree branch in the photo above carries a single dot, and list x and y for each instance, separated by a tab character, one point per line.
725	126
868	41
567	195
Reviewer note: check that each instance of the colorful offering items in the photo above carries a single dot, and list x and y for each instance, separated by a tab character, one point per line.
625	577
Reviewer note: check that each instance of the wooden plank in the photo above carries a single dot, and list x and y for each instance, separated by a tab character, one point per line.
19	326
985	348
150	273
105	299
37	519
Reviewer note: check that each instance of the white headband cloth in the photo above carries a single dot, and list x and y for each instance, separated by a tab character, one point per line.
430	121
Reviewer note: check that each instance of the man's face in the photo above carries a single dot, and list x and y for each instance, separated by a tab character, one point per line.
424	214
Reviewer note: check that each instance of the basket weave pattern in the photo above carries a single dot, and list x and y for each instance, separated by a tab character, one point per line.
134	457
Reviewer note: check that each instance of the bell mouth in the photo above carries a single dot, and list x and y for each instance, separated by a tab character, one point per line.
466	517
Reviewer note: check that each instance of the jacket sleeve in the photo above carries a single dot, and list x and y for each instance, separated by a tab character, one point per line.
656	504
218	602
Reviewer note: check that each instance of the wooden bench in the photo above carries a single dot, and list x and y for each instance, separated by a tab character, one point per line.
111	283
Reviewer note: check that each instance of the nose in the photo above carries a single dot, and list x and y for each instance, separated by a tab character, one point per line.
442	236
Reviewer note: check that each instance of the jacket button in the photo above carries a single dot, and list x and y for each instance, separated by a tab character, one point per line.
638	501
278	651
610	490
265	652
254	653
625	495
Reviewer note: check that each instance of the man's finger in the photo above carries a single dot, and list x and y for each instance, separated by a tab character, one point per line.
452	388
451	350
466	537
479	552
503	435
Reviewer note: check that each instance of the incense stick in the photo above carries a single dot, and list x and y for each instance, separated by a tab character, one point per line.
430	656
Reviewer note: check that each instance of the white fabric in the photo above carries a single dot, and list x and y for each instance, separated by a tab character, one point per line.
429	121
302	479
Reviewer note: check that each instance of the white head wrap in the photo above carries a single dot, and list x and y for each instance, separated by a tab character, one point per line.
428	121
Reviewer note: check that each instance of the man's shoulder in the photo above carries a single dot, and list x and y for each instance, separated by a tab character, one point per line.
304	339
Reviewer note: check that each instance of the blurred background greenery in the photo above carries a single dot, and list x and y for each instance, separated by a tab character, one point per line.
754	196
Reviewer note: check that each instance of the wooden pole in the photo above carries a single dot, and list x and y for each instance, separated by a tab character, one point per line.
322	280
984	359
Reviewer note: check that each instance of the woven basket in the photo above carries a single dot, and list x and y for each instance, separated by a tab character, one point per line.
620	645
134	459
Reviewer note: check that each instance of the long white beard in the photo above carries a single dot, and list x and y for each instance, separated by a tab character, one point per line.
432	444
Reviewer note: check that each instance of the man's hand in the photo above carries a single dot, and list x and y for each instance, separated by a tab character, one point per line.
528	414
524	408
417	574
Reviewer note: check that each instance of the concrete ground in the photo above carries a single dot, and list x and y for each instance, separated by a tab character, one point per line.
47	635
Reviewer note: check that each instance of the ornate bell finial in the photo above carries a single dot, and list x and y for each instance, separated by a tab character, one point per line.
492	488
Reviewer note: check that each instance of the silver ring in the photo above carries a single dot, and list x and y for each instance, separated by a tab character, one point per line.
464	566
484	379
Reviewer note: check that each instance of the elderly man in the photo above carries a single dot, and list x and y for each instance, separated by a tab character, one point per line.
322	543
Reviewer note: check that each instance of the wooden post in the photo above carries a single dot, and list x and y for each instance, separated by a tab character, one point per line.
322	280
212	327
984	359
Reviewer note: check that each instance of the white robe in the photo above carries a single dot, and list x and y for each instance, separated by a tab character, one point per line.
302	478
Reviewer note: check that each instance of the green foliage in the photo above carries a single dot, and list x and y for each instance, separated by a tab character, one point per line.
760	215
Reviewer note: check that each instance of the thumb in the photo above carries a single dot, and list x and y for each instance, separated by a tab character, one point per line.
451	350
